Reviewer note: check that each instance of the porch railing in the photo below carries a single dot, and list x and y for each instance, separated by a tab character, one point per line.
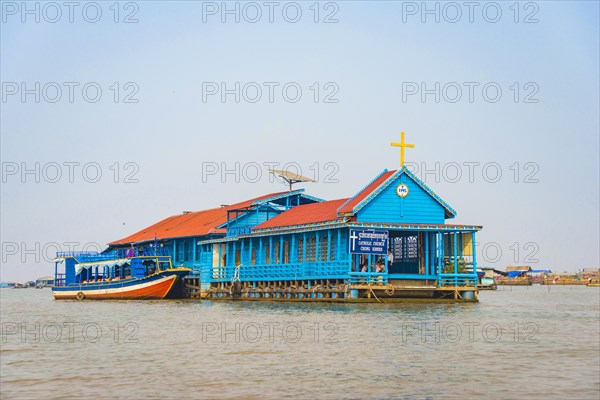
296	271
380	278
457	280
90	256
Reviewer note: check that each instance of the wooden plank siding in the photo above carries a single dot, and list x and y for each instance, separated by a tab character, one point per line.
418	207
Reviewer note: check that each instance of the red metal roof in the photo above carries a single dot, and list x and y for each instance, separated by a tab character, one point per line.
191	224
348	207
305	214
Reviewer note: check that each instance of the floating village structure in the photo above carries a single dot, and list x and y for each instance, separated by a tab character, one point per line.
388	241
516	276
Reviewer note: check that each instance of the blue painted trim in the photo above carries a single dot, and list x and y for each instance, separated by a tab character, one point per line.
264	202
431	192
416	227
426	252
455	251
243	214
474	249
361	190
299	192
337	224
396	175
299	228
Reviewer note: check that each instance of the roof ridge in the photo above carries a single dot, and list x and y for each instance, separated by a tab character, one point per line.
396	175
316	213
429	191
385	170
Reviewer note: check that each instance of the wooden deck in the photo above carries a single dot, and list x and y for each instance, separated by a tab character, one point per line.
331	291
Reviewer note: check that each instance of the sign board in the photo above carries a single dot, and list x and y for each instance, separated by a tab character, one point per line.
369	241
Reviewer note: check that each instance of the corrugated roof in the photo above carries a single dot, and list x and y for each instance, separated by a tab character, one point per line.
305	214
360	196
519	268
190	224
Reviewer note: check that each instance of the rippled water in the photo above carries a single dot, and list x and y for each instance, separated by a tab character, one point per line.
528	342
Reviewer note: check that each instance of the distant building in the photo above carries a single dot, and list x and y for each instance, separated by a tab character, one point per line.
515	275
7	284
44	281
518	271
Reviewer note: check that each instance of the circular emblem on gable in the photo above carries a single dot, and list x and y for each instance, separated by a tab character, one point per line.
402	190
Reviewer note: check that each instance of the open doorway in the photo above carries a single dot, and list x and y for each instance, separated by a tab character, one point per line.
405	248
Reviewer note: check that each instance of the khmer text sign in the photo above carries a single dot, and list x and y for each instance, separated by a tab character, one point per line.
368	241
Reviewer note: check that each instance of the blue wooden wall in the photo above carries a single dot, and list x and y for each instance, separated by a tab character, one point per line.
418	207
252	218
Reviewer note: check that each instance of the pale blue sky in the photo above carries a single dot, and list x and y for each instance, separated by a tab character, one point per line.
368	54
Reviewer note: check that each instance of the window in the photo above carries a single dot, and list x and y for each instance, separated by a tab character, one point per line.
311	249
267	253
405	248
332	248
215	255
411	251
323	248
223	255
276	255
189	250
185	250
198	251
180	245
286	251
253	257
300	249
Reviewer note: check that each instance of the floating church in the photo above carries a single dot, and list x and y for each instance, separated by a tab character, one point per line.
386	242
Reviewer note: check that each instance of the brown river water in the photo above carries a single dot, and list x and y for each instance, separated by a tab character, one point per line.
516	343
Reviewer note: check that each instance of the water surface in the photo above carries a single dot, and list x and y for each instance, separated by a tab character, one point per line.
521	342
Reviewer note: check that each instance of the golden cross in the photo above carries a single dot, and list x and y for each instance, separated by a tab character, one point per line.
402	145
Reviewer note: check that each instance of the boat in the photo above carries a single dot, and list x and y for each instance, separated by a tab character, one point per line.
486	279
593	284
109	276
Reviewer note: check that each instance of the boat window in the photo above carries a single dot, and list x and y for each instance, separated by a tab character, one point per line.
164	265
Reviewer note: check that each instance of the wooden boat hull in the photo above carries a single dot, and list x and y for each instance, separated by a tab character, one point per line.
153	287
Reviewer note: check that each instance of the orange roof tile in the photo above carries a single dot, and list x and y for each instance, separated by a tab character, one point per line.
305	214
360	196
190	224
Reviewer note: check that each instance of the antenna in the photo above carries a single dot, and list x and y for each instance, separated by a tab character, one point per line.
290	177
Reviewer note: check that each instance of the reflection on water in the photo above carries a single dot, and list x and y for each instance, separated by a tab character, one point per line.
524	342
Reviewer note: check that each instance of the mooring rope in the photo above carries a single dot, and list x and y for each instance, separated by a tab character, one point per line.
371	289
235	290
390	290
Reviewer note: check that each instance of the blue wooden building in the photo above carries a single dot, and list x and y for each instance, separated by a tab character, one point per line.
388	241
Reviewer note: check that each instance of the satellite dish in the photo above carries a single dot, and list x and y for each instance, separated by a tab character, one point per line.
290	177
